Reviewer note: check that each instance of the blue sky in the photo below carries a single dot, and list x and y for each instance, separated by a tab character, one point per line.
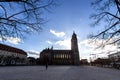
71	15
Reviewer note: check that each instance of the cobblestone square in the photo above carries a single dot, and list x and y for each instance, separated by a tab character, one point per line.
58	73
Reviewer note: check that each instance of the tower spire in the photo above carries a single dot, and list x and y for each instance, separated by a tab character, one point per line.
74	43
74	48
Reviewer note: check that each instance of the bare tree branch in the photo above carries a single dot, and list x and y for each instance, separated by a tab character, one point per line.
108	10
23	17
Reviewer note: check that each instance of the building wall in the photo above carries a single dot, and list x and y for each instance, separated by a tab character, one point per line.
12	56
62	57
57	57
7	53
114	56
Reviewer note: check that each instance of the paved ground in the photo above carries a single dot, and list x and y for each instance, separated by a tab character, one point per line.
58	73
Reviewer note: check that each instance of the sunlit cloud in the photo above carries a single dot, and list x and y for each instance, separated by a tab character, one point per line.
58	34
66	43
88	48
13	40
91	47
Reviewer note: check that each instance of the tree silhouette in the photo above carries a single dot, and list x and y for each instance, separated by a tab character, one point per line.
18	18
107	12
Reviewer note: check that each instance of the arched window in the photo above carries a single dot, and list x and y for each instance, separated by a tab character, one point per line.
66	56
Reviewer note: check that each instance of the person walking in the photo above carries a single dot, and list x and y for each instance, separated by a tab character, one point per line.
46	62
46	65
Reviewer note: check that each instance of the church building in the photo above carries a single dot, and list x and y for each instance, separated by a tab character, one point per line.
62	57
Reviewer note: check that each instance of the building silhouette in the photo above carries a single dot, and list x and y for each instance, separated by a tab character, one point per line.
62	57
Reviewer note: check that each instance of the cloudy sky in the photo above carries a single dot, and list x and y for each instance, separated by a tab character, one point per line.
71	15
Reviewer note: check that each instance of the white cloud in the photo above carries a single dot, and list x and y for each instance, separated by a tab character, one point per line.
13	40
90	43
89	47
49	42
66	43
0	39
58	34
33	53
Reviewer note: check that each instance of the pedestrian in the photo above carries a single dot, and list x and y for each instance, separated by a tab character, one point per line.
46	65
46	62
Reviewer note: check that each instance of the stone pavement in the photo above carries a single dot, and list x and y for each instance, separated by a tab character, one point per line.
58	73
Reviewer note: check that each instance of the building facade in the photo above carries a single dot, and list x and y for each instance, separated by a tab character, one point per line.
12	56
114	56
62	57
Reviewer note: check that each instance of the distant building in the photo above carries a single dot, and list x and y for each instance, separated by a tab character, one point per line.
62	57
12	56
84	62
114	56
31	61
